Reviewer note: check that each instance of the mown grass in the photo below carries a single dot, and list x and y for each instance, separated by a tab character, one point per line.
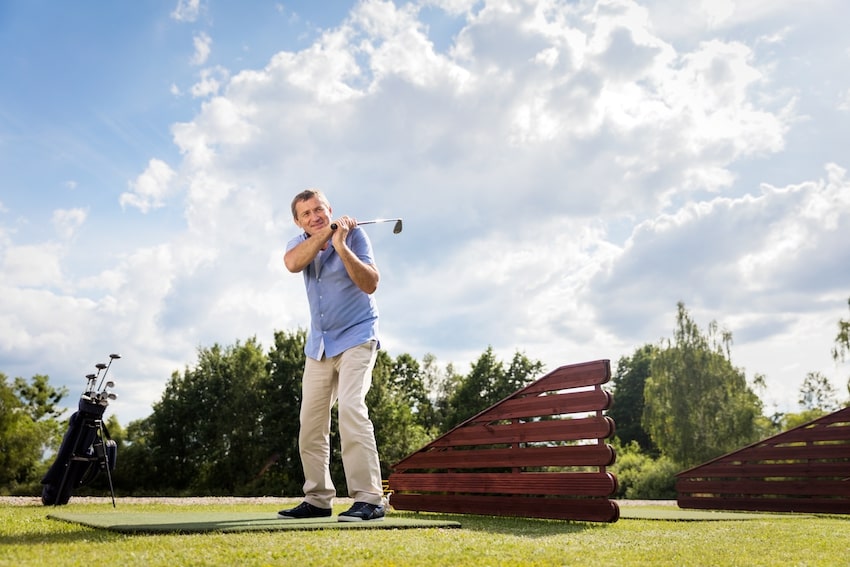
28	537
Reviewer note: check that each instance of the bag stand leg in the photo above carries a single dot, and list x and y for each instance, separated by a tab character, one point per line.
100	456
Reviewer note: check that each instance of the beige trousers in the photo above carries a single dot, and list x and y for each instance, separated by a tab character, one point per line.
345	378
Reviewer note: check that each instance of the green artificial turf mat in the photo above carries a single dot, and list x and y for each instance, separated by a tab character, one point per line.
672	513
196	522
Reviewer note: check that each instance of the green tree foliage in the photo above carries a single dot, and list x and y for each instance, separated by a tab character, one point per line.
841	349
697	404
228	424
642	477
40	399
136	471
489	382
393	401
28	427
628	385
817	393
208	425
281	472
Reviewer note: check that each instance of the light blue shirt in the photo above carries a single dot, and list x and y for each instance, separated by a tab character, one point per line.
341	314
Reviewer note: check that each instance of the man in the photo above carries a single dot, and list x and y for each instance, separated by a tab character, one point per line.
340	276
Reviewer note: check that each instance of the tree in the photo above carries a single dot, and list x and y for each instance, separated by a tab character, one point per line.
392	401
282	473
817	393
28	426
206	430
488	383
841	350
697	404
39	398
626	409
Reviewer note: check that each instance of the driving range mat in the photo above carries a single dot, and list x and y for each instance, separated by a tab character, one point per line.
198	522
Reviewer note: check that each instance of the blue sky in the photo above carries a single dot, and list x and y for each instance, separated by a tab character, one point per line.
567	172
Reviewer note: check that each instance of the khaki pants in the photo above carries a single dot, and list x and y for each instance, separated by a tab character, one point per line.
346	378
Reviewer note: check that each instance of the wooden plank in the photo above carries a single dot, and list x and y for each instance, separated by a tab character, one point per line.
578	509
807	487
593	427
555	404
814	435
797	452
835	419
773	470
563	456
572	376
580	484
802	505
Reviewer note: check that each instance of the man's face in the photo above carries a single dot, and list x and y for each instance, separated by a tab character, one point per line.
312	215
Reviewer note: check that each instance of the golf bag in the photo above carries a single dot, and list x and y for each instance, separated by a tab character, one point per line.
86	449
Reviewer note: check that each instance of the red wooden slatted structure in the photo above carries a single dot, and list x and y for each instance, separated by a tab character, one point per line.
539	453
805	469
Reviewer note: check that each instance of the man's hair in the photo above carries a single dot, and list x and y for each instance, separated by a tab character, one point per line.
306	195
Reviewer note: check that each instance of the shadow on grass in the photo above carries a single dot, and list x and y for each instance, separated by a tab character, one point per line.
508	525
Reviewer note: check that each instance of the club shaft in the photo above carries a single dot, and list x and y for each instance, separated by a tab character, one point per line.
334	226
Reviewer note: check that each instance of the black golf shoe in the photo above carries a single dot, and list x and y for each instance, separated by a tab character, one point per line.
362	512
303	511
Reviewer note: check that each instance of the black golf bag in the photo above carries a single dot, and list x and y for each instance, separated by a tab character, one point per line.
86	450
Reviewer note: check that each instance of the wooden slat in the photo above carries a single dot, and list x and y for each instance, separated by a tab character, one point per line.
594	427
581	484
814	435
572	391
565	456
798	452
572	376
580	509
555	404
806	469
776	470
803	505
836	488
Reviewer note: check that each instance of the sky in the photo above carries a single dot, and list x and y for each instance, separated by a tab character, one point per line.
567	172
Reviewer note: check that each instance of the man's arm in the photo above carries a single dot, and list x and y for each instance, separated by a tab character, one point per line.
300	256
365	276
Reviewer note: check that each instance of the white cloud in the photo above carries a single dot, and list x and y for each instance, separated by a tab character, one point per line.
67	221
151	188
203	47
32	265
210	83
186	10
567	172
844	101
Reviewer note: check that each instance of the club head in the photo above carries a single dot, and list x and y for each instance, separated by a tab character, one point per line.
112	396
109	384
91	376
397	227
114	356
100	366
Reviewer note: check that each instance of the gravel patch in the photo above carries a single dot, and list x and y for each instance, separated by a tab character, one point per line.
258	500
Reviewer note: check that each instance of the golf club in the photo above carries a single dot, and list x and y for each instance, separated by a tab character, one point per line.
105	366
396	228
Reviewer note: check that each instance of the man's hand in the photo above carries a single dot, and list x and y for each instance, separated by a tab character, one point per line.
364	276
343	226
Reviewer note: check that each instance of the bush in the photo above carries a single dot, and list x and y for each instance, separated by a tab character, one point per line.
640	477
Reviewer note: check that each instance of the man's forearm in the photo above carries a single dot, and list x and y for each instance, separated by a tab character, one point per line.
299	257
365	276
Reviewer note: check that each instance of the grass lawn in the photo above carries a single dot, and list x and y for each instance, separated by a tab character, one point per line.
28	537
